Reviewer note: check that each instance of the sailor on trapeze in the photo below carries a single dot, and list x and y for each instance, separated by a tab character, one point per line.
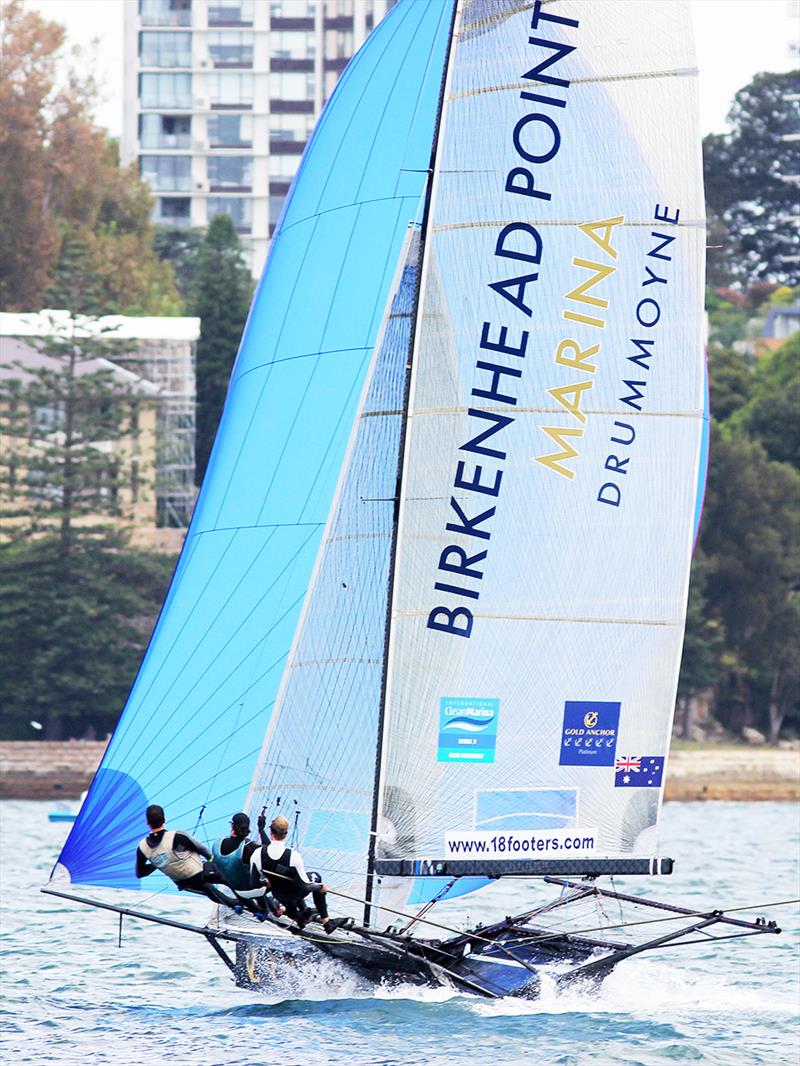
289	881
179	856
232	855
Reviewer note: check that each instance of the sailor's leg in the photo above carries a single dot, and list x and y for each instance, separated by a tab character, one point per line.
321	904
198	884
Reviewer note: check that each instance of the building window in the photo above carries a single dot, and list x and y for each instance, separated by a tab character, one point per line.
167	173
283	167
166	90
343	44
165	131
275	208
291	9
230	131
238	207
173	211
165	12
230	172
230	13
291	45
229	48
292	85
290	127
227	89
165	49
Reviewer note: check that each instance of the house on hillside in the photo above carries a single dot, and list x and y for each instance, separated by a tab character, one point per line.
780	324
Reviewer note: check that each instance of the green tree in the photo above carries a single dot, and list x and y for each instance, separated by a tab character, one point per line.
60	178
703	646
72	634
178	246
221	299
750	533
730	381
772	414
69	419
749	197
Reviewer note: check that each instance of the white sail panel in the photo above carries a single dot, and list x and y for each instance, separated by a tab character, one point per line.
553	435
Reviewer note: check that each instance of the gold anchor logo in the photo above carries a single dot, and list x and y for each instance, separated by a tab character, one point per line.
590	719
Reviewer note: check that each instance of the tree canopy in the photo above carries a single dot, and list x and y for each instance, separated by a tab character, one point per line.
221	298
60	179
749	188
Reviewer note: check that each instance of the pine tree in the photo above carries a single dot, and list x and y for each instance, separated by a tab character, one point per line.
221	298
751	196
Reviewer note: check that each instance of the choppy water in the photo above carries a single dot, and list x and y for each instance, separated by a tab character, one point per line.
70	995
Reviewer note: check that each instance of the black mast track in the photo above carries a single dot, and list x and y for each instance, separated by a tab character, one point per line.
368	891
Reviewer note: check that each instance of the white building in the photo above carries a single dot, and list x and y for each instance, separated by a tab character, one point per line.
221	96
160	352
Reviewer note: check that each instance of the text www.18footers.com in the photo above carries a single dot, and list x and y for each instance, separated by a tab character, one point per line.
518	843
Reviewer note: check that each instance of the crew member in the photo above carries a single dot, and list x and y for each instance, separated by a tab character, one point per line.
179	856
288	879
232	855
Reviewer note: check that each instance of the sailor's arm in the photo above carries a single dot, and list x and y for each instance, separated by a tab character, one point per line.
143	867
298	866
188	843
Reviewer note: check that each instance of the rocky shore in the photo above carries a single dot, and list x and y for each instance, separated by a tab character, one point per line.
61	771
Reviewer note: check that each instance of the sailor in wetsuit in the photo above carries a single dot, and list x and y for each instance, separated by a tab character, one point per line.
287	876
177	855
232	855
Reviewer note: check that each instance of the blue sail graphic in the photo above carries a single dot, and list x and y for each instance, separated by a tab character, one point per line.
197	713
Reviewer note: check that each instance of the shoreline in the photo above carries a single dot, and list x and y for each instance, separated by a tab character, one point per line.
62	770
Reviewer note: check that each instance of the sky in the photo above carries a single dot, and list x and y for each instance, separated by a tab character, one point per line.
735	39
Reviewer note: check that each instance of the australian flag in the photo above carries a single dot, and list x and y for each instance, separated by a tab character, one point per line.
639	771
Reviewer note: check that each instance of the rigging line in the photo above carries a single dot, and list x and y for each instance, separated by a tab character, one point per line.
331	565
400	914
356	105
199	599
277	461
194	786
191	770
355	386
654	921
301	355
257	405
423	82
710	938
392	94
400	199
188	721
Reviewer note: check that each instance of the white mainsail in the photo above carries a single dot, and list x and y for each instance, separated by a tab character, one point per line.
553	440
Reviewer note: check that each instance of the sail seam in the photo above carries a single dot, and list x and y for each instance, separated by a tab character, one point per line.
552	618
677	72
694	223
462	410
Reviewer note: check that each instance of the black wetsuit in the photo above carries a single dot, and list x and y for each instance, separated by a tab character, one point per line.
288	886
202	882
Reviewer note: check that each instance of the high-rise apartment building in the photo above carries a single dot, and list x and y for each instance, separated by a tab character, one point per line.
221	96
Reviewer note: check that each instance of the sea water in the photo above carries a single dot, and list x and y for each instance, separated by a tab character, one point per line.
70	994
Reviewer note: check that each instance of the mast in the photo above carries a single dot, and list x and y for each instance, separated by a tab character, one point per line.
368	890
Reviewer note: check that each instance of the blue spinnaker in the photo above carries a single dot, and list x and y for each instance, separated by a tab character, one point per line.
194	722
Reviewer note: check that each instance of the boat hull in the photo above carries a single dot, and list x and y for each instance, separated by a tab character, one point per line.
494	966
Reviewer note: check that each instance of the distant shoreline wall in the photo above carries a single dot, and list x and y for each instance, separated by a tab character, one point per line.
47	769
54	770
